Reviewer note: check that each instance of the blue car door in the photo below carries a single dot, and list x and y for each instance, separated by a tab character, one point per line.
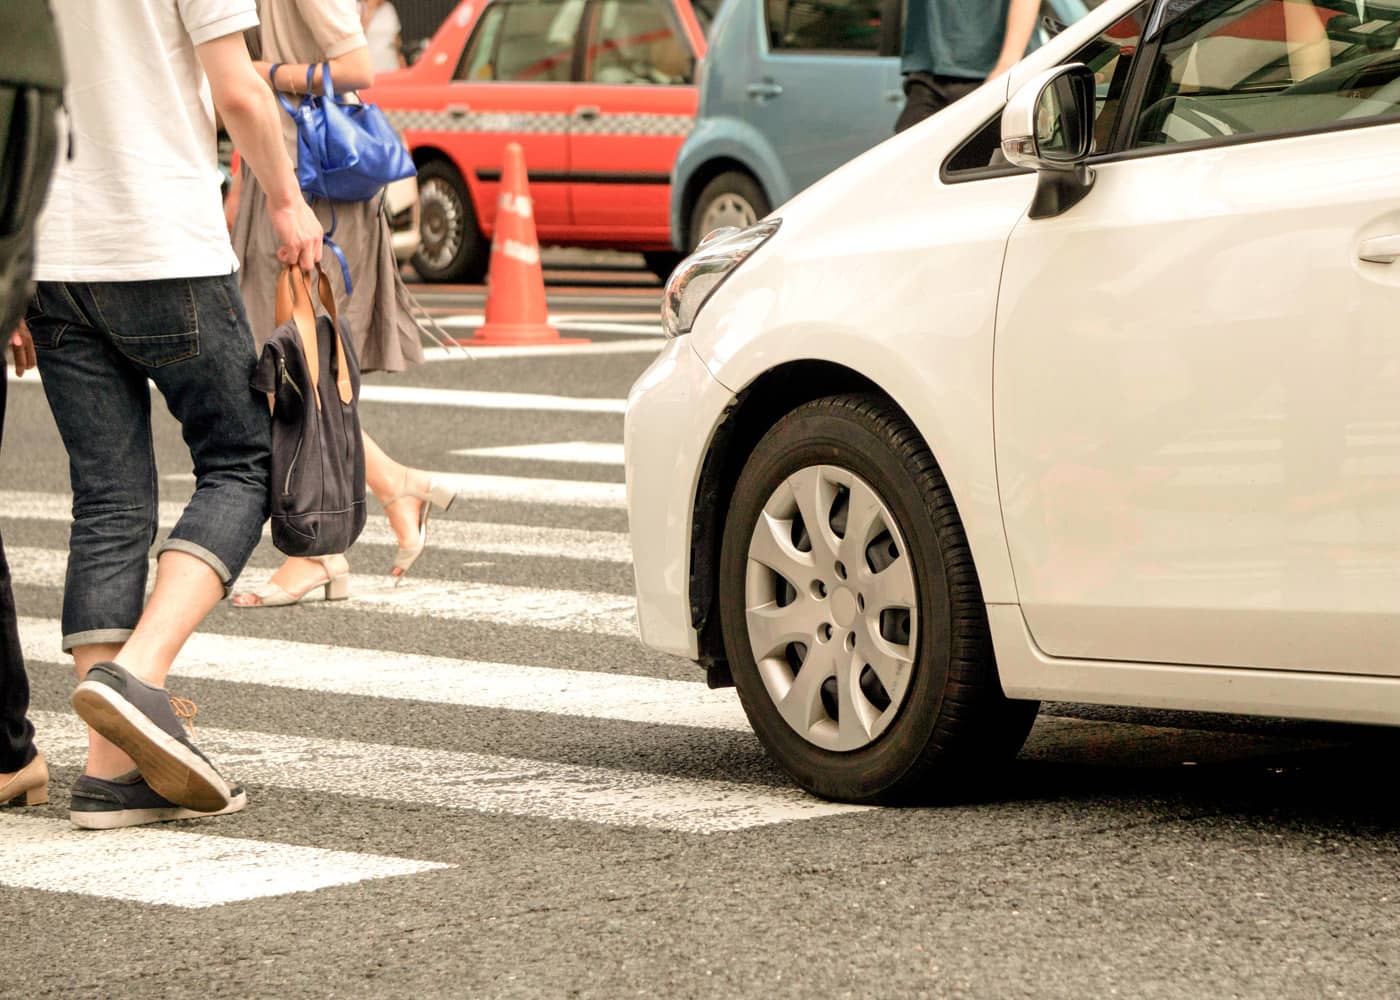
820	91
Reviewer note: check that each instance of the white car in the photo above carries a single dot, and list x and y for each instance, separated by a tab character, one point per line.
1086	389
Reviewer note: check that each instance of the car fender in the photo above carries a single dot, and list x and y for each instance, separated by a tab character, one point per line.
716	139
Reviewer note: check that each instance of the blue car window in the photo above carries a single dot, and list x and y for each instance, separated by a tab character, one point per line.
824	25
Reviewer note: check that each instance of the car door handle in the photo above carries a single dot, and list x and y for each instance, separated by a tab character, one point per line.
1380	249
587	113
459	110
894	96
765	91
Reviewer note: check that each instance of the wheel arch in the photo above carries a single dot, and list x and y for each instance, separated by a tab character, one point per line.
756	408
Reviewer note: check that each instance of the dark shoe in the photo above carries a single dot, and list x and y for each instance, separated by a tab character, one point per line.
112	803
139	718
29	786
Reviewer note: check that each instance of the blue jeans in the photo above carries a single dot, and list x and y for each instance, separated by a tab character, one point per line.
98	344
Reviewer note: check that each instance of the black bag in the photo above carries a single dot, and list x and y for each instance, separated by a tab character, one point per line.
318	456
31	91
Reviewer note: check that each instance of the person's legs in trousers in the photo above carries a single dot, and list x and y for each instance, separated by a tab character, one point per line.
98	343
23	775
925	95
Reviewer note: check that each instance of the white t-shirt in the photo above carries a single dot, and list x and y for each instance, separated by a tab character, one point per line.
139	199
382	36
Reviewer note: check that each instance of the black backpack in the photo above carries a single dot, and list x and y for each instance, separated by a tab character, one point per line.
31	91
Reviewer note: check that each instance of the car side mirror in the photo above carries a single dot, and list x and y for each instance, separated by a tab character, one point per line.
1048	126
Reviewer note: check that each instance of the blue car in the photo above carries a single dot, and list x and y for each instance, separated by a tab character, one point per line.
789	91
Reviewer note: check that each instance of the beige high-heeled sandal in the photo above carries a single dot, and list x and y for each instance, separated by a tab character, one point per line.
336	587
29	786
438	495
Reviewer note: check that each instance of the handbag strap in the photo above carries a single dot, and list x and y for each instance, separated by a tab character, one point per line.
282	99
298	307
342	365
326	84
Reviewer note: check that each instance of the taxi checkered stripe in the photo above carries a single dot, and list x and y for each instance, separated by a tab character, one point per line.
535	123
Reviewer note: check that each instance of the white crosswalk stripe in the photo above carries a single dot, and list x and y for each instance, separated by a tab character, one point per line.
185	869
514	489
305	666
477	782
457	600
588	452
448	535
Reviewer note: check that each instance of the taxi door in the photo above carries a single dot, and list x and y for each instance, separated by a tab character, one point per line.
632	111
513	84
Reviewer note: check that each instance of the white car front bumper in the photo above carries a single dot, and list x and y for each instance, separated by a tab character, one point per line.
672	412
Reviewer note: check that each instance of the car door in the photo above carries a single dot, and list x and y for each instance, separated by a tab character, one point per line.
821	93
514	84
630	115
1197	371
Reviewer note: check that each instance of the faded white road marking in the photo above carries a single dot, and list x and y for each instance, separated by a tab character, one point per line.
372	673
484	352
475	782
171	867
475	399
587	452
458	600
446	534
514	489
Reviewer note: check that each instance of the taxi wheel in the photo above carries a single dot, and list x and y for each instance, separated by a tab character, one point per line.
451	247
731	199
852	616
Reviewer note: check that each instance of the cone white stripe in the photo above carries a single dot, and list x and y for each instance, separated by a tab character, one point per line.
458	600
341	670
446	535
474	782
171	867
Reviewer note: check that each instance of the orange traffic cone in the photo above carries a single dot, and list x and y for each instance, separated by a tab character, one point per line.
515	306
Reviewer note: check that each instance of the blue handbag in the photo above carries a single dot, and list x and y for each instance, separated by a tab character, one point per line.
345	151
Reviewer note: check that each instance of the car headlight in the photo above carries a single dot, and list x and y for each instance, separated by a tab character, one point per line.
696	278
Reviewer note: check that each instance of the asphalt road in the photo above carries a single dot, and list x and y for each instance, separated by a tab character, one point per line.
481	784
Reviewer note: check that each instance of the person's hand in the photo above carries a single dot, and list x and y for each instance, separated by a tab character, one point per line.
22	348
1003	64
298	234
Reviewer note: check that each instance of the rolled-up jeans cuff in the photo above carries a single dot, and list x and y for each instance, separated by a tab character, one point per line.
190	548
96	637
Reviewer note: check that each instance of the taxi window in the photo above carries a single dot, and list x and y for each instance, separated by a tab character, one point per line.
635	41
824	26
525	41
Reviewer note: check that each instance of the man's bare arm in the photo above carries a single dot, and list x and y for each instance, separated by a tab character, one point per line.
252	118
1020	22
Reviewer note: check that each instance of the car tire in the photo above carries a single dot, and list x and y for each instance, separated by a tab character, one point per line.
661	263
731	199
452	247
946	724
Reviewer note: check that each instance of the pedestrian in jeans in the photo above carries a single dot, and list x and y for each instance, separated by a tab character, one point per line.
135	283
952	46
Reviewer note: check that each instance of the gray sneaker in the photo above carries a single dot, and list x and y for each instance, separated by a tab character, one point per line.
112	803
139	718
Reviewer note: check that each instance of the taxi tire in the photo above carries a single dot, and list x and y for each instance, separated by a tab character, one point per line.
956	727
473	254
732	183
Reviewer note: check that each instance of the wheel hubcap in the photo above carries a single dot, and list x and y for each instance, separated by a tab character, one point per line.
726	210
832	609
441	222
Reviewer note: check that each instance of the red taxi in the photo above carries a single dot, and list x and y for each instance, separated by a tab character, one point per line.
599	93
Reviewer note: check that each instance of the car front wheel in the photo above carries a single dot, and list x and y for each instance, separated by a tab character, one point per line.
452	247
852	616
